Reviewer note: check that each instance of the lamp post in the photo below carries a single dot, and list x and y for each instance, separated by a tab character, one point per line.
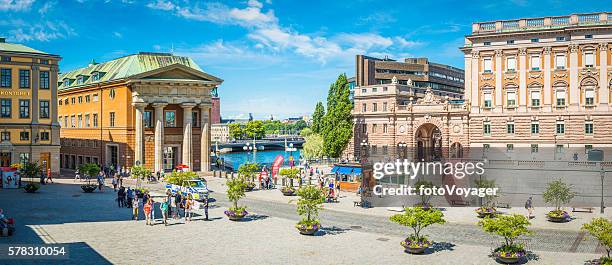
402	148
248	148
364	150
289	148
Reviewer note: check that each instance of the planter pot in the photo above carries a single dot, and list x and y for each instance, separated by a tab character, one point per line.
484	214
308	230
559	218
88	188
415	249
234	216
508	260
288	193
30	188
418	250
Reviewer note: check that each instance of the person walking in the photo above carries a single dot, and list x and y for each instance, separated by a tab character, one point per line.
135	209
188	206
529	207
147	208
206	208
120	194
77	176
152	210
130	197
178	199
164	210
100	181
49	175
114	184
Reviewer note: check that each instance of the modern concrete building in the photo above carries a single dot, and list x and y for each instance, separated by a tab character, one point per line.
442	79
152	109
29	129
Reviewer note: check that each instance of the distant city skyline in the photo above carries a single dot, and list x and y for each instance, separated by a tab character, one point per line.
277	57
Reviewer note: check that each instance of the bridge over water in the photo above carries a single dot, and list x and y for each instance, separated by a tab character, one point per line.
262	144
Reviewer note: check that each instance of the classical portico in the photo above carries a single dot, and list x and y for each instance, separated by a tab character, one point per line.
160	98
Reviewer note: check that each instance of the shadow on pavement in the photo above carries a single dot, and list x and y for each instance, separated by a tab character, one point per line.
331	230
440	246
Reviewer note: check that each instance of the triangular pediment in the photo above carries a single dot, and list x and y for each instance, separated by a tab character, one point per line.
178	72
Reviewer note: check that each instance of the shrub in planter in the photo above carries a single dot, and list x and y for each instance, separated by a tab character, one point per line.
235	191
248	171
288	191
484	212
89	188
250	186
92	171
417	218
601	229
308	206
558	193
31	188
487	208
509	227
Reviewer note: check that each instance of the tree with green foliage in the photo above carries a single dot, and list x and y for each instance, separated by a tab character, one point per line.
509	227
291	174
254	129
140	173
313	146
180	177
235	131
309	204
558	192
488	201
601	229
337	122
306	132
235	191
317	118
30	170
272	126
90	170
248	171
418	218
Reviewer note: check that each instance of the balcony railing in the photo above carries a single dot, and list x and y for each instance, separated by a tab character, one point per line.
542	23
560	21
535	23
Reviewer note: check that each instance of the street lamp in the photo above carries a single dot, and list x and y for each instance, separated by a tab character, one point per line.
364	150
402	148
289	148
248	148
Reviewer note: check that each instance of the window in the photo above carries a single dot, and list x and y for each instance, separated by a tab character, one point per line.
535	40
374	89
24	108
61	121
112	119
24	78
535	63
5	77
87	121
87	98
385	128
364	90
24	136
364	128
5	108
5	136
589	97
534	148
510	128
73	121
95	76
66	82
44	80
509	148
588	127
111	93
385	89
374	107
487	67
488	100
589	59
561	38
170	119
374	128
60	101
65	121
511	99
385	150
73	100
147	116
364	107
80	119
194	119
43	61
559	149
589	36
486	147
487	43
510	42
24	158
587	148
5	58
560	127
535	128
560	61
44	136
511	64
535	98
44	109
560	95
80	80
95	120
80	99
65	101
486	128
374	149
95	97
384	106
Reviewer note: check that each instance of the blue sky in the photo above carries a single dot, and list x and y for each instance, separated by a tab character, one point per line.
277	57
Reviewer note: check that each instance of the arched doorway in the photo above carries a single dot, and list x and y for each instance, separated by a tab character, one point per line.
456	150
428	140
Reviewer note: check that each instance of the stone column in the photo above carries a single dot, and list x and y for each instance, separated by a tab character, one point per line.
159	135
187	134
205	138
603	77
139	133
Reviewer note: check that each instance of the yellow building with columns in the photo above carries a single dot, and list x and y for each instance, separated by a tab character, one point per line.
148	108
29	130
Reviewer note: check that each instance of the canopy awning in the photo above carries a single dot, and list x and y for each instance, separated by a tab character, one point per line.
343	170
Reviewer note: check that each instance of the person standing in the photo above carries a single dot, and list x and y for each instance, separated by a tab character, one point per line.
147	208
164	210
130	197
135	209
188	206
77	175
49	175
100	181
529	207
120	195
114	184
206	207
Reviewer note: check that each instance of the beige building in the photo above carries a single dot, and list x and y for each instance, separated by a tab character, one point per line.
219	133
29	130
540	84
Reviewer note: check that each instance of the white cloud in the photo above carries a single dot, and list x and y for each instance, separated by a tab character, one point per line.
15	5
117	34
161	5
44	31
46	7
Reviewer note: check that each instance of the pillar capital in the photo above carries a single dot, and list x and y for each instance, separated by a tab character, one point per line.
160	105
205	106
187	106
140	105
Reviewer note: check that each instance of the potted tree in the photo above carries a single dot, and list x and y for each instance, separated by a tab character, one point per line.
139	173
601	229
30	170
509	227
235	191
91	171
417	218
424	203
487	208
289	173
248	171
308	206
558	193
